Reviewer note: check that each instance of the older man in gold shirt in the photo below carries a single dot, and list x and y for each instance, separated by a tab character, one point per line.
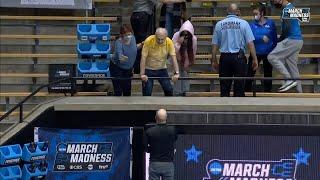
156	49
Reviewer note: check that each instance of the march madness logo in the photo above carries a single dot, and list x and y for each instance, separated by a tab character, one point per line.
83	157
284	169
302	14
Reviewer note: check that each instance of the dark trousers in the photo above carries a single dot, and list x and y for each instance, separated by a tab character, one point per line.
165	170
165	83
141	23
121	87
267	70
232	66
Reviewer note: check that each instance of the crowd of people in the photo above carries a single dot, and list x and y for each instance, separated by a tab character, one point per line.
175	39
147	52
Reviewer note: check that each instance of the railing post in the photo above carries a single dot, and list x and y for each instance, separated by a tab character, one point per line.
212	85
254	88
7	99
316	88
21	113
73	82
35	49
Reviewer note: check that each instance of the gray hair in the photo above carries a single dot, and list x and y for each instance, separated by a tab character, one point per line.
162	31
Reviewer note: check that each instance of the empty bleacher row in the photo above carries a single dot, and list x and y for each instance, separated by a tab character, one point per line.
34	31
32	40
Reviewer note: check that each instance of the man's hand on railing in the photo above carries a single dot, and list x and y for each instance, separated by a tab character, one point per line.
175	77
144	78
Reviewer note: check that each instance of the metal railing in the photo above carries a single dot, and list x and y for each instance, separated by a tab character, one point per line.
74	79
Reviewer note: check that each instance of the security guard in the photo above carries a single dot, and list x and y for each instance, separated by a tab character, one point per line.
231	35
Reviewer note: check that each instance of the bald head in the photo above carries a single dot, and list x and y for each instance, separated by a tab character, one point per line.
161	116
161	35
233	9
161	31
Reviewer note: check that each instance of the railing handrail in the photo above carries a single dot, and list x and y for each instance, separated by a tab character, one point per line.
73	79
20	104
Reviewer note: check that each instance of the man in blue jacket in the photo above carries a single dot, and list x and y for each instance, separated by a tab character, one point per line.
265	34
285	56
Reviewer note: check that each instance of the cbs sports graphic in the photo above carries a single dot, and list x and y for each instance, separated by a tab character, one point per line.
87	154
245	157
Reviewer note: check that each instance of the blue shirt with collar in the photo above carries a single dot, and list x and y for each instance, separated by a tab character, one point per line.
290	27
232	34
267	29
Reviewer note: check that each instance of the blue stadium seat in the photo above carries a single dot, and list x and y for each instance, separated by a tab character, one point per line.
93	69
93	32
93	50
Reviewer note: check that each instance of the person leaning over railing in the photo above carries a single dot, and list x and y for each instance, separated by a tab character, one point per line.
265	34
156	49
185	44
284	56
121	65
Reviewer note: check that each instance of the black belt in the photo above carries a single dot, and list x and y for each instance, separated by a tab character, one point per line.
230	53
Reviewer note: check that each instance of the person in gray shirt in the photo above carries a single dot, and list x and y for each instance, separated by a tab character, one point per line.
142	24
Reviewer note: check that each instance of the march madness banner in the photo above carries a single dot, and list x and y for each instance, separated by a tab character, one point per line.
87	154
247	157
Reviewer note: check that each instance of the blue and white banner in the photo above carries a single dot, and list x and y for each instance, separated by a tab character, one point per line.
247	157
87	154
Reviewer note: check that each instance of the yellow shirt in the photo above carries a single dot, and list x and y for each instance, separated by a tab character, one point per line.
156	55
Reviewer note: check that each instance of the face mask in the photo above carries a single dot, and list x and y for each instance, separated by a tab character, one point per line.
257	17
127	38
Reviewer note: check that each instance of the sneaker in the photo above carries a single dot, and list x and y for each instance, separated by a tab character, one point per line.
290	84
284	85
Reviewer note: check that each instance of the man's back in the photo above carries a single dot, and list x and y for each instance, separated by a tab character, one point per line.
161	139
232	34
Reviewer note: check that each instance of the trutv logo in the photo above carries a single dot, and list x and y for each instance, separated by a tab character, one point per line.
285	169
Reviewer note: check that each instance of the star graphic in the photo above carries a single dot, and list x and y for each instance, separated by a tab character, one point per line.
302	157
192	154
